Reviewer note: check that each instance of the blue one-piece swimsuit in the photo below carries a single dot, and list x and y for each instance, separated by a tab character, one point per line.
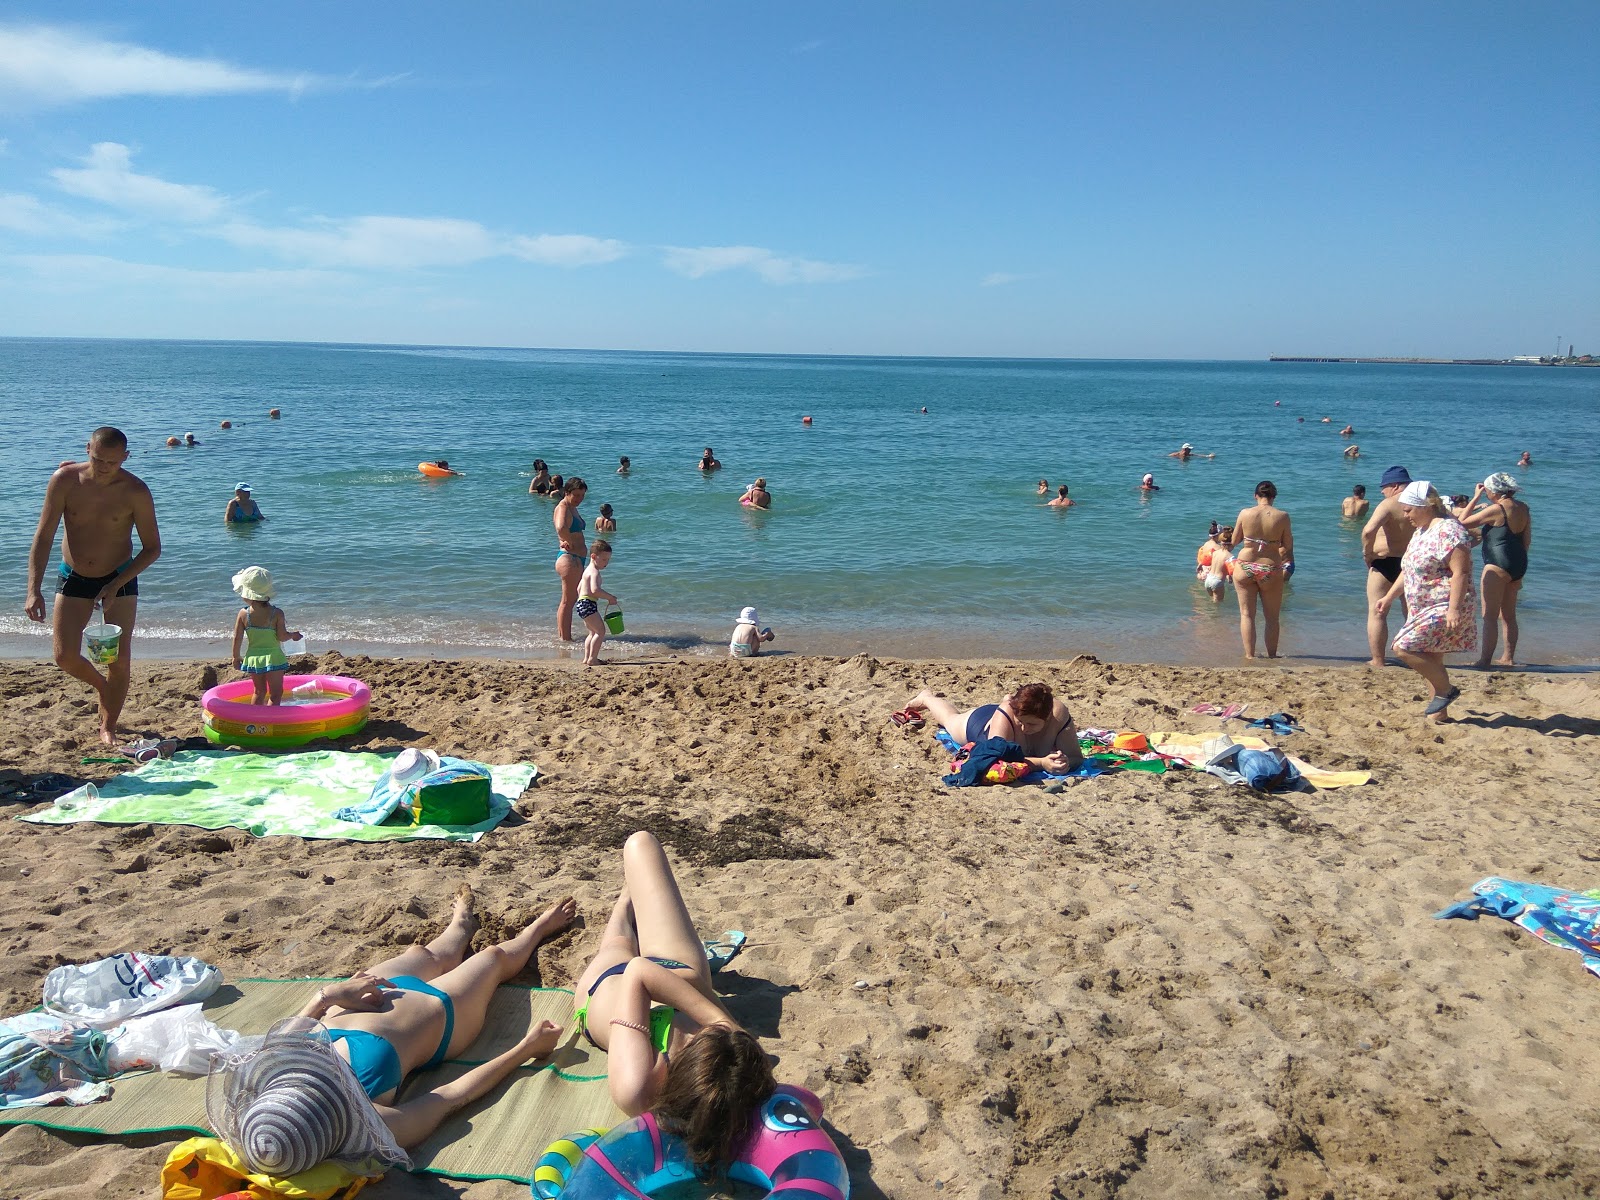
375	1060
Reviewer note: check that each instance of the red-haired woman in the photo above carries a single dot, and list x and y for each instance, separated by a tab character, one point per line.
1031	717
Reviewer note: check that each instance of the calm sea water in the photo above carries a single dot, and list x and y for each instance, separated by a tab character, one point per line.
892	531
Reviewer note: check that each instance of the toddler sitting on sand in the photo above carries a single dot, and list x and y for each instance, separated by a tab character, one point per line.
748	635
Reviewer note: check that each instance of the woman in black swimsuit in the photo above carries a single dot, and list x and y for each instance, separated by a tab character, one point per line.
1507	529
1031	717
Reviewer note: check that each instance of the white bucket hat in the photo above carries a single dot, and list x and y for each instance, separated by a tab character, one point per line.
254	583
747	616
1186	446
411	765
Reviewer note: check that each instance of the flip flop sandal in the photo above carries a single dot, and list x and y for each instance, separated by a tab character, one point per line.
906	719
1207	710
720	953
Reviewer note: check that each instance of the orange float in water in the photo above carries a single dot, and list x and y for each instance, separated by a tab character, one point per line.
805	420
435	470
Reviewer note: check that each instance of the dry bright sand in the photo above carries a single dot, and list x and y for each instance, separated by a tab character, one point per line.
1139	986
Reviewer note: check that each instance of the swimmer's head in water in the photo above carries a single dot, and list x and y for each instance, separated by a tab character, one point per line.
540	465
624	461
574	486
1148	479
1267	490
1359	491
1061	491
600	546
605	510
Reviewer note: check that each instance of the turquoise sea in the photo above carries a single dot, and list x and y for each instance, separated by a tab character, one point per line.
892	531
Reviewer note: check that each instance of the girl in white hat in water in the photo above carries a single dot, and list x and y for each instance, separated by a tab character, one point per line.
259	629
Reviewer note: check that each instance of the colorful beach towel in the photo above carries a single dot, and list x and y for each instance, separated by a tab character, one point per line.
1570	920
1097	760
266	794
498	1137
1195	750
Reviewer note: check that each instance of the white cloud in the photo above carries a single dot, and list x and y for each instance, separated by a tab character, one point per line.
1000	278
108	176
567	249
22	213
391	242
96	271
700	261
44	66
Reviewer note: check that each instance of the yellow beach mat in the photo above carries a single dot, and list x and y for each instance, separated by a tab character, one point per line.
499	1137
1188	746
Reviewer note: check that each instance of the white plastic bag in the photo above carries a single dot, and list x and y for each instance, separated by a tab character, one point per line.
108	992
175	1039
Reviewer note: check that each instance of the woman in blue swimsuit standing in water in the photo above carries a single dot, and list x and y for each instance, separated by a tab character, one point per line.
573	556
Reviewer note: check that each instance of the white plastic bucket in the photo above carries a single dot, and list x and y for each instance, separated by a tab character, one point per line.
104	643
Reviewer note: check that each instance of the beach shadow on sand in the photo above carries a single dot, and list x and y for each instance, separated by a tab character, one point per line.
1557	725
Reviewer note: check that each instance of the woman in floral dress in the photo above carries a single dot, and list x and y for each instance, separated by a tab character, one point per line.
1436	576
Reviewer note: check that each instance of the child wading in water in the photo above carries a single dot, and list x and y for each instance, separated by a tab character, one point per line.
258	630
587	609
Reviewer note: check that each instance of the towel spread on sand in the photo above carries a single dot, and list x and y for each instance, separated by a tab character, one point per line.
1570	920
497	1137
1097	760
1191	749
267	794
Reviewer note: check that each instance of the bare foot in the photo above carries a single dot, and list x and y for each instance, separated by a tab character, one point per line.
108	737
463	914
556	918
541	1039
919	702
1504	662
1377	662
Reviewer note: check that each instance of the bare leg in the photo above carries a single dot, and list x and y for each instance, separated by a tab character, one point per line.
1493	585
442	954
275	687
471	985
943	712
1271	605
122	611
1431	667
69	617
1377	623
596	639
618	944
1247	592
1508	617
570	570
665	926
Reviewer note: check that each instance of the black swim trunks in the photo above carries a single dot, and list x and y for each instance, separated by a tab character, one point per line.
85	587
1389	568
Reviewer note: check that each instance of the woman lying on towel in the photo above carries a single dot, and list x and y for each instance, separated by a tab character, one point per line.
285	1106
1031	717
646	998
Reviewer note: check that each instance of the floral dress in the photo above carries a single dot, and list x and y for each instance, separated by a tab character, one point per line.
1426	572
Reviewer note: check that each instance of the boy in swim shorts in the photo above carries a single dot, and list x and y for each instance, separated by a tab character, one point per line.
590	593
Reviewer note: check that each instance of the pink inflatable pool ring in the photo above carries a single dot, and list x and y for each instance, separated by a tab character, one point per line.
314	706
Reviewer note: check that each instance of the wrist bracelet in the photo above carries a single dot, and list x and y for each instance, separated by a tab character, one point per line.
644	1029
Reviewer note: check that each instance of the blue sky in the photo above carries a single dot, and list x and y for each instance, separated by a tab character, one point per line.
1161	180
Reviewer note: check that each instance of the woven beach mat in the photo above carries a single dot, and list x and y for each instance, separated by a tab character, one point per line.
498	1137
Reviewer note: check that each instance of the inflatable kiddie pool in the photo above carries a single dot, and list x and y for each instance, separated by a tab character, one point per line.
314	706
787	1152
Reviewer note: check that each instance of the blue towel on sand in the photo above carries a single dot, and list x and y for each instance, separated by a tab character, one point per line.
1570	920
1084	770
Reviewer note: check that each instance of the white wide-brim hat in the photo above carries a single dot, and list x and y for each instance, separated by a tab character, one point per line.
254	583
747	616
1186	446
412	764
287	1102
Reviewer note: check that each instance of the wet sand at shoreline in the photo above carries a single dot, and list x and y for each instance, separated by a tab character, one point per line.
1137	986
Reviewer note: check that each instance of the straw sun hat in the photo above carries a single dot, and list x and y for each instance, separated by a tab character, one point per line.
286	1102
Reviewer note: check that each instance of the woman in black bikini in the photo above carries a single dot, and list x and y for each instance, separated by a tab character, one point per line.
646	999
1031	717
1507	529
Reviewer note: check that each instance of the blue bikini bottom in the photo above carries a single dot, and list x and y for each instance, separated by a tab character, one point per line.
373	1057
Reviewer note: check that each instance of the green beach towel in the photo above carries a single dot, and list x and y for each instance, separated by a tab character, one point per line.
499	1137
266	794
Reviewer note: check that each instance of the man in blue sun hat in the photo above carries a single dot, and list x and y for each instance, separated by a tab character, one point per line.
1383	542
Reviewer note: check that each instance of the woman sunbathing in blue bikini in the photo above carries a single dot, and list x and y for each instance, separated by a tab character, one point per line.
426	1004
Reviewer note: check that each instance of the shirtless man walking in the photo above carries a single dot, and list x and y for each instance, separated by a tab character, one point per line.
102	505
1384	539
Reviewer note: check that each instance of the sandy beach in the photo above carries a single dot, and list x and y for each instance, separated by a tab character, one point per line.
1136	986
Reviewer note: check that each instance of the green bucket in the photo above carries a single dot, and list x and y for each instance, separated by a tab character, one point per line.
614	620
